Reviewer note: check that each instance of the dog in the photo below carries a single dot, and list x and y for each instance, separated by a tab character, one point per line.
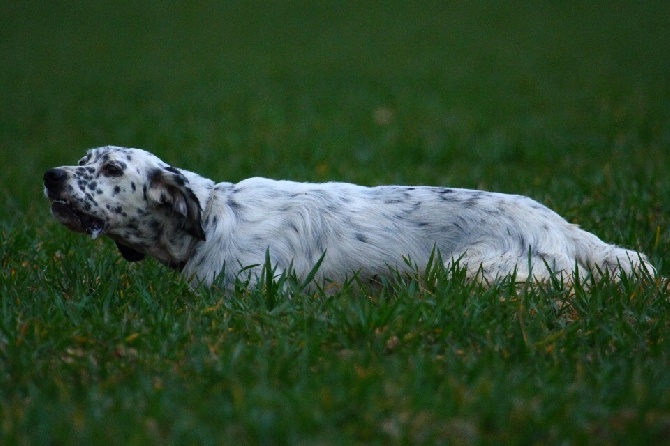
213	232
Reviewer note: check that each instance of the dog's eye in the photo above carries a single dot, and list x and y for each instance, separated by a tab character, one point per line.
112	170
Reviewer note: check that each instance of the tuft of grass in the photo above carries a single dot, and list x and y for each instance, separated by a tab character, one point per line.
567	103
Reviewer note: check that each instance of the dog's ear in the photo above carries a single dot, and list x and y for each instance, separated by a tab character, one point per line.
168	187
129	253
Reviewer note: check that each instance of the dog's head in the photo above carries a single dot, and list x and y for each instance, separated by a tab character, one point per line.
129	195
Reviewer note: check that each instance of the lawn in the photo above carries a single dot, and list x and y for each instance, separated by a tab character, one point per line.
568	103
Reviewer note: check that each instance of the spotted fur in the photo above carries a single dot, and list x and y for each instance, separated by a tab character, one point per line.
212	231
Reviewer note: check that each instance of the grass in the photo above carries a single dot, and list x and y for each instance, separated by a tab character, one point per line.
568	103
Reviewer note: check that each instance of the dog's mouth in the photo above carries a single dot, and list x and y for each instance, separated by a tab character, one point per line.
76	220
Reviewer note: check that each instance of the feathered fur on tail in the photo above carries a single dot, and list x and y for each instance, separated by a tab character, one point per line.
600	257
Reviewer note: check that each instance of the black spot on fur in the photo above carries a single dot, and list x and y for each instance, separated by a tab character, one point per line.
132	184
445	194
471	202
117	189
234	205
84	160
361	237
293	226
179	179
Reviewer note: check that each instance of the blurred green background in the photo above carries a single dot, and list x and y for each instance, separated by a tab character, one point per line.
531	97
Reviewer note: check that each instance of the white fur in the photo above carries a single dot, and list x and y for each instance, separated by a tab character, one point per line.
212	231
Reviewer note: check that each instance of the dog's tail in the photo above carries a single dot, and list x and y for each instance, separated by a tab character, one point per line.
600	257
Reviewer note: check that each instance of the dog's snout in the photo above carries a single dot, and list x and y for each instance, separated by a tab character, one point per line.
54	178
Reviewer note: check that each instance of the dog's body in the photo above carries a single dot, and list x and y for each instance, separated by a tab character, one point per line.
213	231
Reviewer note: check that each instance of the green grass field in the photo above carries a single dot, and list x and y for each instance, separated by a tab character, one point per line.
566	102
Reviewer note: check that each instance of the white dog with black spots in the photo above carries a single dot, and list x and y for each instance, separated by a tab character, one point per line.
213	231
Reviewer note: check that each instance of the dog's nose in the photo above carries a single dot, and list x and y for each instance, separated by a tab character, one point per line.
54	178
